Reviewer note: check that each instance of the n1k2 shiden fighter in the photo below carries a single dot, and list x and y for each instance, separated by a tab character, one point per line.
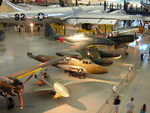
119	38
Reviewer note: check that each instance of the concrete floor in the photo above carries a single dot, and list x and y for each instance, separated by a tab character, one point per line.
87	95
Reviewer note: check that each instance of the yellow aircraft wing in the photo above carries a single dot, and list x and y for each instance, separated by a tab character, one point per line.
32	69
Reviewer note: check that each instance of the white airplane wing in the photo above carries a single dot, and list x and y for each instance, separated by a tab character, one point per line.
103	18
72	15
42	88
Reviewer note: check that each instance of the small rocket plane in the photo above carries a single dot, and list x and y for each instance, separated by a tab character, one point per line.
56	89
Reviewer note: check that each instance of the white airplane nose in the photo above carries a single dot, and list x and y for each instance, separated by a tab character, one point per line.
62	90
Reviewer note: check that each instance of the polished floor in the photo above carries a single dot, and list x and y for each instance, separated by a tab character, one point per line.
87	95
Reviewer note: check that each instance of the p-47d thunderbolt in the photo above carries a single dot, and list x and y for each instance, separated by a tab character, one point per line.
86	15
72	65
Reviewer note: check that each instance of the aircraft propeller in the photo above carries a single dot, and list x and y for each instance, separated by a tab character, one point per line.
16	88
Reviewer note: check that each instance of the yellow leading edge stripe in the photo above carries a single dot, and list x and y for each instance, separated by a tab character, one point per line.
29	73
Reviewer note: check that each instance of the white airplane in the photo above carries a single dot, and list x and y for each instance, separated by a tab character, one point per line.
45	83
146	5
85	15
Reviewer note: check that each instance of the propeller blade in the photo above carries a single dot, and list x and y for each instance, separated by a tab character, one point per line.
28	78
20	100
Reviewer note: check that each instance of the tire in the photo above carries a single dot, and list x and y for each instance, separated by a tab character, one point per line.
82	77
10	103
87	26
126	53
2	35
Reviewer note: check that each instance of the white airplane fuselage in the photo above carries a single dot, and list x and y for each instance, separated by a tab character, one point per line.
53	15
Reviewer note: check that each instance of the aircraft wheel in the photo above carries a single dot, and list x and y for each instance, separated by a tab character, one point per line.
87	26
70	74
82	76
2	35
52	94
10	103
126	53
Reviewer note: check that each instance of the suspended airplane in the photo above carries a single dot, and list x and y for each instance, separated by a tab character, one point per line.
87	16
72	65
11	85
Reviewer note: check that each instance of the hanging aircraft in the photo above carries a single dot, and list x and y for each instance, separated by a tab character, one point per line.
72	65
87	16
11	85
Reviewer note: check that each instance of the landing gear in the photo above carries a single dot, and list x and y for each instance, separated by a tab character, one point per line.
52	94
77	74
126	53
87	26
10	103
126	47
2	35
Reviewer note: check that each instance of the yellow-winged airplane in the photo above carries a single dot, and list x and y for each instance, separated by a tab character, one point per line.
11	85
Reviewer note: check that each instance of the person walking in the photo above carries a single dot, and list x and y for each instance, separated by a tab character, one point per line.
105	5
130	106
142	54
149	54
116	103
143	109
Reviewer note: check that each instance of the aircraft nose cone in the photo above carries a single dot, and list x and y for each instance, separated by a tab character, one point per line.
61	39
62	90
66	94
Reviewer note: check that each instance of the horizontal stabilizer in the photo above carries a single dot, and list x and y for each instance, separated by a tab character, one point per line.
41	88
